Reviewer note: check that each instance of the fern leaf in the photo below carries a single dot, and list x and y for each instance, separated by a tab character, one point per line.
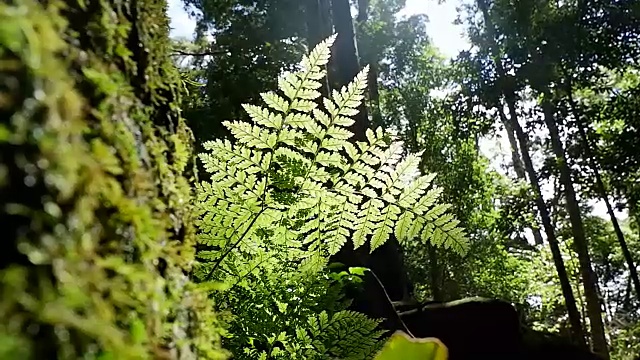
331	159
264	117
403	226
297	120
250	135
415	190
384	228
303	105
343	121
321	117
332	144
319	56
275	101
331	107
339	133
292	190
425	203
366	223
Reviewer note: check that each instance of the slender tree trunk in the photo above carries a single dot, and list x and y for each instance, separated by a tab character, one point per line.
577	331
515	157
435	274
576	280
589	278
510	98
363	11
602	191
374	92
626	303
318	17
608	311
517	165
633	211
346	60
436	270
583	312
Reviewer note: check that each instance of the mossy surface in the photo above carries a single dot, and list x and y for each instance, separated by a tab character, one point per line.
96	169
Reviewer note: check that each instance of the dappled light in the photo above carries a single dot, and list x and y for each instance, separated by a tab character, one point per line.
320	179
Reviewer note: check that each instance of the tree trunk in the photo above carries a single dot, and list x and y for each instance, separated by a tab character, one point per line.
388	280
626	303
510	98
577	279
435	274
363	11
515	157
318	17
517	165
374	92
589	279
602	191
572	310
346	60
633	212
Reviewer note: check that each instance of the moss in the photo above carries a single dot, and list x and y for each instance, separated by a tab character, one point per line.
98	235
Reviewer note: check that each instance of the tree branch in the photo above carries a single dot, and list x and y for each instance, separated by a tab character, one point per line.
205	53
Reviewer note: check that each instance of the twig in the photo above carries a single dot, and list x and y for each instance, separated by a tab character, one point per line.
205	53
406	328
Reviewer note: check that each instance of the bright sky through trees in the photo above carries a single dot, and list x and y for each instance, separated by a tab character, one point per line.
449	38
446	36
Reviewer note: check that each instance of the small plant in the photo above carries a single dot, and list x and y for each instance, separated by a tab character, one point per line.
290	192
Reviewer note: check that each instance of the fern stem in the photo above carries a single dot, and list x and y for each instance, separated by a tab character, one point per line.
226	253
250	271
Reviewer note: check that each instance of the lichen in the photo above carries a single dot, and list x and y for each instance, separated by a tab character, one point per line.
96	167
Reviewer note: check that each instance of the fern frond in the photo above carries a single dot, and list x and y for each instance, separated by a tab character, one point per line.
412	193
384	228
318	57
350	96
292	190
344	335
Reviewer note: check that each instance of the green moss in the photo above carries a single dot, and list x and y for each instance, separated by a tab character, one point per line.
97	204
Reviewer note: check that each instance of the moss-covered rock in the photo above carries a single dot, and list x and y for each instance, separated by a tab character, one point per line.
95	196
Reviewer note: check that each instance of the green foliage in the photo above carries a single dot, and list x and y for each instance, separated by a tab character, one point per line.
290	192
448	136
568	52
253	44
296	320
626	343
343	335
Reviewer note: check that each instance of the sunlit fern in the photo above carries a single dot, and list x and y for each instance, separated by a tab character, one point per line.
292	189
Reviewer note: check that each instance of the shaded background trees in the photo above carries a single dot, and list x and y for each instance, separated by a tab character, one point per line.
557	84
